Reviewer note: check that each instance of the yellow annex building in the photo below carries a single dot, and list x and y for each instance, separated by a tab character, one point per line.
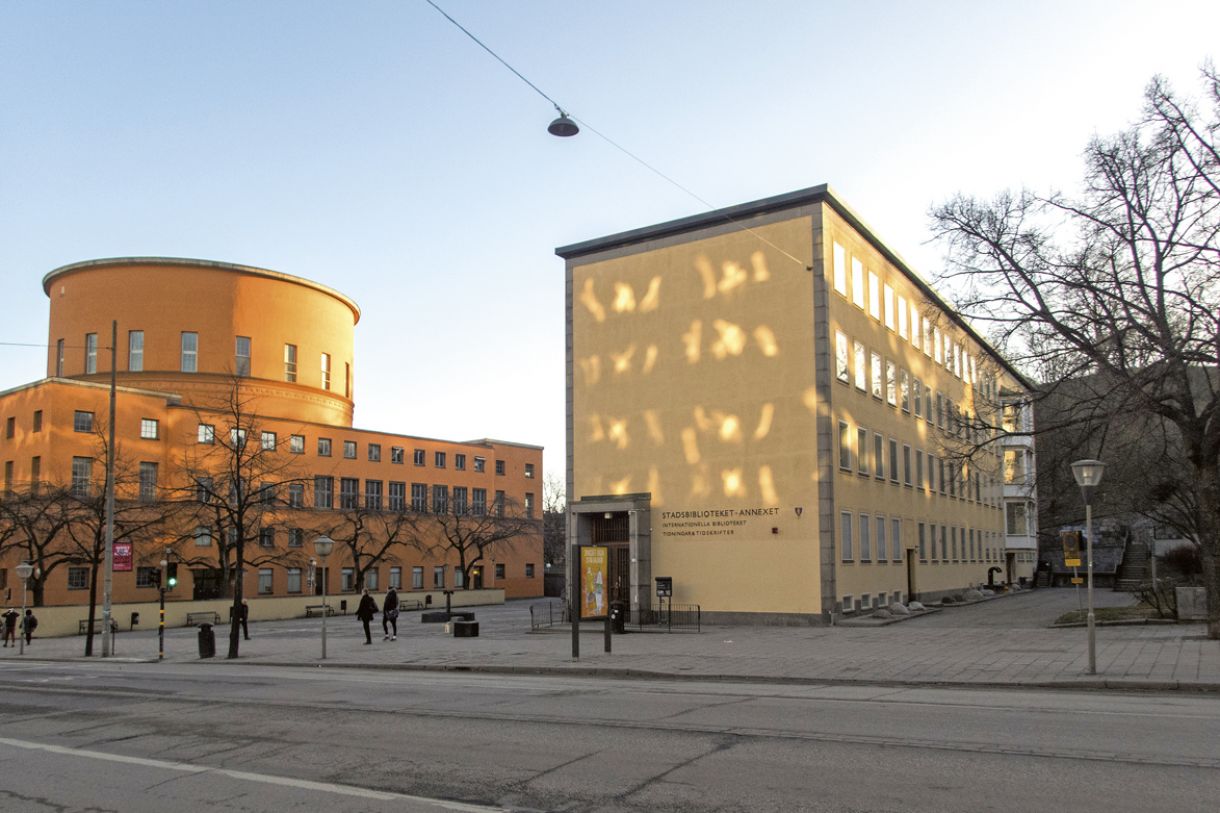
213	356
767	405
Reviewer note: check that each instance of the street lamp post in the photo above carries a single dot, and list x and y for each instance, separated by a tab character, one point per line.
23	572
322	546
161	620
1088	476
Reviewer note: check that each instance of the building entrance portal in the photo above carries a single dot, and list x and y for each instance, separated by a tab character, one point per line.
621	524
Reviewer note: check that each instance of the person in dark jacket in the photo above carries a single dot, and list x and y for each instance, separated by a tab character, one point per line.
28	625
245	619
10	626
365	612
389	615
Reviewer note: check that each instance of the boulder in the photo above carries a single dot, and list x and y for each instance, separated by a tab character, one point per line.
897	609
916	607
972	595
883	613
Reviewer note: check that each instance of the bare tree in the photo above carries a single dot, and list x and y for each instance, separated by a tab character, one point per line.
554	520
1120	284
476	537
373	534
34	519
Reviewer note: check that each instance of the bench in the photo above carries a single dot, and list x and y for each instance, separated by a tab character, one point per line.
410	604
202	617
318	609
97	625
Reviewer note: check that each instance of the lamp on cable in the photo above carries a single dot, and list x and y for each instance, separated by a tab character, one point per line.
562	126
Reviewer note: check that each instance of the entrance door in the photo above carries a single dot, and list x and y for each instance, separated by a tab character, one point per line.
320	576
613	530
620	573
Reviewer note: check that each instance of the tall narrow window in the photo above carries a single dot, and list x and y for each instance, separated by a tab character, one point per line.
889	306
190	352
861	357
842	360
862	451
90	353
135	350
59	358
896	539
840	269
882	552
844	446
325	364
290	362
148	482
241	356
866	545
874	296
857	282
845	540
82	474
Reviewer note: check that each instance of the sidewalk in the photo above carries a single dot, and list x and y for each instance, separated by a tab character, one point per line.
999	643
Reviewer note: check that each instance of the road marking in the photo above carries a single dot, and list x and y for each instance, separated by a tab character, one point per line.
266	779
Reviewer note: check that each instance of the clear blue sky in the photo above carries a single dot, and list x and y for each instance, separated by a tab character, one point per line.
372	147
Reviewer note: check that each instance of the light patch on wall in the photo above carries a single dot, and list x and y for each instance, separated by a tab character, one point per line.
732	275
730	429
622	361
707	274
650	359
621	486
596	433
699	485
733	484
693	339
759	261
702	421
652	297
654	485
765	415
616	432
766	486
591	368
731	340
690	446
765	339
588	298
810	399
624	298
653	424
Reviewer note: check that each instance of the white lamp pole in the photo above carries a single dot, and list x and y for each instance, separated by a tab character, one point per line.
322	546
23	572
1088	476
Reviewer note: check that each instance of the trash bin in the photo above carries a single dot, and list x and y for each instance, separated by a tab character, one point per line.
207	641
618	616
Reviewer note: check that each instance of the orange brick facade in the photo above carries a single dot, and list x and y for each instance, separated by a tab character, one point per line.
171	406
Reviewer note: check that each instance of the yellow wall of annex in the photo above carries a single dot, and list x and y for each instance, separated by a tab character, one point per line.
693	380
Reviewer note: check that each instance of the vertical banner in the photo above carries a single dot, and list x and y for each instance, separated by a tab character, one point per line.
594	575
122	556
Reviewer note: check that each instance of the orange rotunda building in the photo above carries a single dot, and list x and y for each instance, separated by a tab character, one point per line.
214	361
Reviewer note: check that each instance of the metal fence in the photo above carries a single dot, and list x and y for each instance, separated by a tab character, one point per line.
664	617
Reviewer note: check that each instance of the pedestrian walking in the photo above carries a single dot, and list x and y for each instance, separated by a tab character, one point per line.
10	626
389	615
245	619
28	625
365	612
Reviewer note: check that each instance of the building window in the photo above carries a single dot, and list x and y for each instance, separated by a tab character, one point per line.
862	451
370	578
37	420
459	578
875	370
844	446
349	493
82	476
842	357
438	460
440	499
241	356
857	283
904	390
902	316
396	455
845	540
78	578
81	421
478	501
10	428
861	358
323	447
480	464
417	457
500	570
296	538
889	306
265	584
206	433
349	449
135	350
237	438
266	537
398	496
879	455
529	471
499	504
919	481
419	497
396	578
1016	522
372	495
1014	466
891	384
874	296
459	499
293	581
500	468
59	358
374	452
268	441
529	570
529	505
190	352
881	546
906	465
325	366
438	576
459	462
347	580
917	396
90	353
296	444
203	537
417	578
149	428
290	362
923	543
323	491
144	576
148	482
866	545
840	269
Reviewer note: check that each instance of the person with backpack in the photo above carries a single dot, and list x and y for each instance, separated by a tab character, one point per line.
28	625
389	614
365	612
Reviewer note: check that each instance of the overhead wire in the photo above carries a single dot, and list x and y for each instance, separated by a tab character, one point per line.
711	208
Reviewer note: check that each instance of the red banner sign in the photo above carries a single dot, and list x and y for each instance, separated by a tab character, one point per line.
122	556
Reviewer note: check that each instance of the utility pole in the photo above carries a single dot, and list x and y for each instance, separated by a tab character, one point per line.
108	567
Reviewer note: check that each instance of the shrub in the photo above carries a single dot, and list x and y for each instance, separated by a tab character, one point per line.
1184	559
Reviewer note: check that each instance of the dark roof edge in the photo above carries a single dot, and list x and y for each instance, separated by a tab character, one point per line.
801	197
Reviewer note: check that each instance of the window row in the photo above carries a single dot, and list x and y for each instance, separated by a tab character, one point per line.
863	538
872	454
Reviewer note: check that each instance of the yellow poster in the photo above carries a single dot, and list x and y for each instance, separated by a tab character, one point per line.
593	578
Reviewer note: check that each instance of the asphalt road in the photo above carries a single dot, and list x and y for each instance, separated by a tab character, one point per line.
224	737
